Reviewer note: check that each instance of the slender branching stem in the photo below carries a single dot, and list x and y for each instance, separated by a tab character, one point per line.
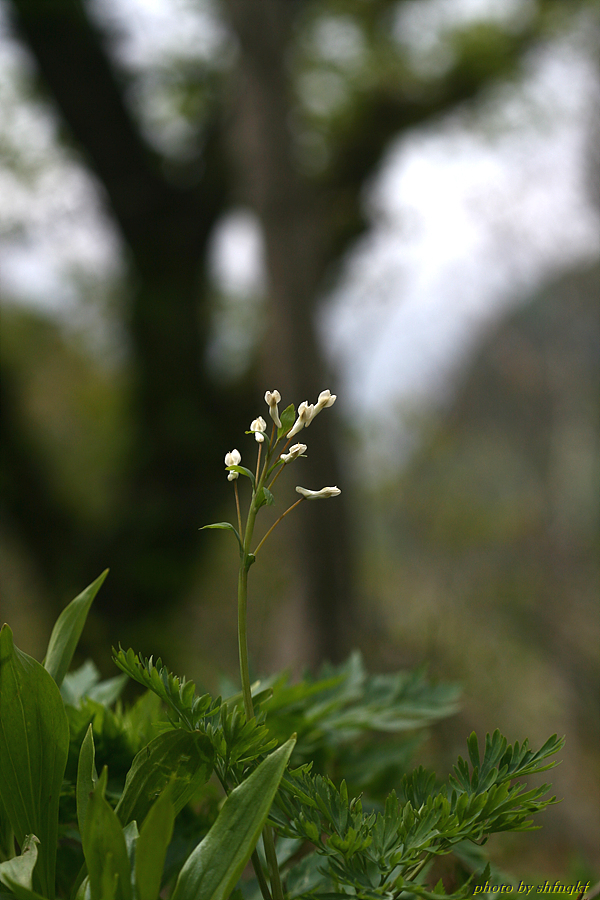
274	525
260	877
247	558
277	474
271	855
237	506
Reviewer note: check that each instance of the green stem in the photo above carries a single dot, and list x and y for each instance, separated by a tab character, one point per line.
245	563
271	855
243	638
262	883
282	516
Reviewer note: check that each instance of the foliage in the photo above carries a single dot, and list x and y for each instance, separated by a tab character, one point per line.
279	751
374	852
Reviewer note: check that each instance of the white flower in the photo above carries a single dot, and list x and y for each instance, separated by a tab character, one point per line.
233	458
294	452
305	414
323	494
258	426
272	398
326	399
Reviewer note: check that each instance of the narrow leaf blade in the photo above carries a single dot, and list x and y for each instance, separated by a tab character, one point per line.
105	849
67	631
86	776
152	844
214	867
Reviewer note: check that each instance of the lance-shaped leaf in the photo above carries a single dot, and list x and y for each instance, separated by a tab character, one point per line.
226	526
34	743
67	631
214	867
105	849
287	419
86	776
181	757
151	848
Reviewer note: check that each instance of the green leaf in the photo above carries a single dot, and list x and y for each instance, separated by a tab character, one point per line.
287	419
214	867
182	757
67	631
269	498
34	743
227	526
86	776
242	470
105	849
20	869
152	844
178	693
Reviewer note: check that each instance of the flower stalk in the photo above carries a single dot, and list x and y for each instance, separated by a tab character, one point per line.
284	429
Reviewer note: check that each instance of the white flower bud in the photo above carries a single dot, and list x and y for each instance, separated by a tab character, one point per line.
258	426
233	458
326	399
305	414
272	398
324	494
294	452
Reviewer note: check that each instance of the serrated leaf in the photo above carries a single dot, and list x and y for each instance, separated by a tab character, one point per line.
67	631
181	757
212	870
34	743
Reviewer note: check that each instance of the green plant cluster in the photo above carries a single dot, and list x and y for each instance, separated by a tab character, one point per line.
155	819
192	789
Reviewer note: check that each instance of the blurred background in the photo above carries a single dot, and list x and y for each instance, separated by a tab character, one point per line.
398	200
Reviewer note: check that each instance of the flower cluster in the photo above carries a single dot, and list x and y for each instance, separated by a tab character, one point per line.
258	427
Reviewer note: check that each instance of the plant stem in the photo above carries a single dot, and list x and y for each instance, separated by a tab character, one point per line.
245	562
272	862
237	506
282	516
262	883
243	638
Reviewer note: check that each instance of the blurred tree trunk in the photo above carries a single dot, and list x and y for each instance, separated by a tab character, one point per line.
174	480
178	417
292	359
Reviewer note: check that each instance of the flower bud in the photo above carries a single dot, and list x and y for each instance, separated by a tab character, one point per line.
233	458
294	452
326	399
305	414
272	398
324	494
258	426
